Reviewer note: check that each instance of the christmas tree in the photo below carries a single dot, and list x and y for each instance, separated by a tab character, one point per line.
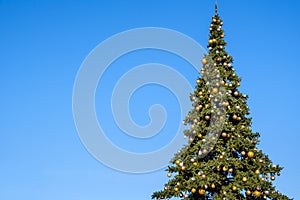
222	160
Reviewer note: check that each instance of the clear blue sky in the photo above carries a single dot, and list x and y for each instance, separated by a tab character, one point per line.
43	44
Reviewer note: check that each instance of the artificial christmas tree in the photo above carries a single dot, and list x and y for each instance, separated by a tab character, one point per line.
222	160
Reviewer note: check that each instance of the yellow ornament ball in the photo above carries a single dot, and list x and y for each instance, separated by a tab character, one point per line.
250	154
193	190
215	90
244	179
234	188
204	61
177	162
207	117
213	186
169	175
210	41
201	191
197	81
256	193
176	189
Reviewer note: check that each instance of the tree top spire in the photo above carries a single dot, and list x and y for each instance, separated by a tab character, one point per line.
216	7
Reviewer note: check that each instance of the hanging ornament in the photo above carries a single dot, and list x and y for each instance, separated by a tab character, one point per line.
207	117
257	171
215	90
204	61
250	154
213	186
193	190
201	191
198	81
236	93
272	178
244	179
224	134
256	193
234	188
267	192
169	175
248	192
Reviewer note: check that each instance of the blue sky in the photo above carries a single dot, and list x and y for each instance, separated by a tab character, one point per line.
43	44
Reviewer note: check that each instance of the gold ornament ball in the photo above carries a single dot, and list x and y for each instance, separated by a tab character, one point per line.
210	41
213	186
195	163
256	193
225	168
204	61
215	90
169	175
177	162
239	118
257	171
201	191
203	176
243	153
250	154
230	170
199	135
234	188
248	192
214	40
198	81
224	134
236	93
193	190
176	189
207	117
244	179
222	35
234	116
272	178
